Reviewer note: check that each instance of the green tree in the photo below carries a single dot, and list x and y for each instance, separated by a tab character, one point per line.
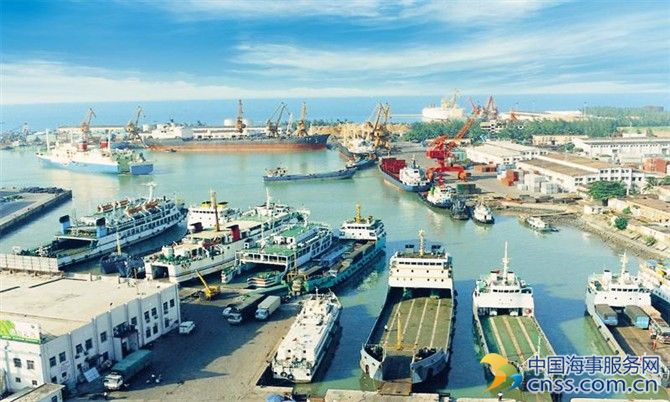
651	182
604	190
627	211
649	240
665	181
620	223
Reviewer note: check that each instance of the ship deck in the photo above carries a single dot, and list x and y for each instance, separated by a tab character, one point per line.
425	321
637	341
516	338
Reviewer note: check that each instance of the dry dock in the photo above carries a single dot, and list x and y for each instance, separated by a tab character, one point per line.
17	205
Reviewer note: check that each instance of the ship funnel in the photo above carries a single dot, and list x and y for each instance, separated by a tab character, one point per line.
152	186
64	223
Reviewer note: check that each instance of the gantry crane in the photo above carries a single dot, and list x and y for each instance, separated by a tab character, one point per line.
272	123
132	128
441	149
239	123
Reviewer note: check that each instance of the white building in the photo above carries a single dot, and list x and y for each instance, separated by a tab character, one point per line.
55	329
623	148
43	393
570	171
501	152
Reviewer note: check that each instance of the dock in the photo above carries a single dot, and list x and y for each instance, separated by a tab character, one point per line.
638	342
18	205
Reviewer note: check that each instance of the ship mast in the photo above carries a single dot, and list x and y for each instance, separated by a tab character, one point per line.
624	263
422	243
212	196
358	213
505	262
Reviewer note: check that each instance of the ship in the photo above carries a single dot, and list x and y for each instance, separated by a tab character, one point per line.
482	214
448	110
93	236
81	157
270	259
280	174
208	250
361	163
620	306
237	136
410	342
311	337
439	196
358	242
503	311
205	215
540	225
123	264
409	178
358	147
656	277
459	209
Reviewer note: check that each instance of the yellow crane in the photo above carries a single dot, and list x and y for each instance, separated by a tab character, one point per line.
209	292
272	124
301	125
86	124
132	128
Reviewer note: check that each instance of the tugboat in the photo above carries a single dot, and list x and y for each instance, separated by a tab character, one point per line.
538	224
439	196
482	214
409	178
459	209
411	339
311	337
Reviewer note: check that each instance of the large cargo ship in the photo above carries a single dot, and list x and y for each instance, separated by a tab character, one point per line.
212	249
620	306
448	110
95	235
504	317
656	277
411	339
409	178
103	159
311	337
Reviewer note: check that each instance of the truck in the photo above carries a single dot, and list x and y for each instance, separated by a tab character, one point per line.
636	316
245	310
126	369
267	307
186	327
607	314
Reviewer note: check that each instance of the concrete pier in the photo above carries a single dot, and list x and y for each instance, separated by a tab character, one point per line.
19	205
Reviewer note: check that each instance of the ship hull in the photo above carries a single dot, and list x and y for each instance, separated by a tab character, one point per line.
312	142
396	182
342	174
442	205
81	166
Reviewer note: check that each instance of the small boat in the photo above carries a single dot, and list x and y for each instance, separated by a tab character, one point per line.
540	225
439	196
459	209
125	265
482	214
409	178
281	174
362	163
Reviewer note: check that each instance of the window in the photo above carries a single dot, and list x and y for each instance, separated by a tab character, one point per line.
103	336
146	316
155	329
61	357
171	302
34	382
105	356
17	379
17	362
52	363
54	398
53	380
165	307
64	374
154	312
79	349
133	321
30	364
89	344
148	333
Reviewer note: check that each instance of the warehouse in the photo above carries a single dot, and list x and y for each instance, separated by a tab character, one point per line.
501	153
624	149
62	329
570	171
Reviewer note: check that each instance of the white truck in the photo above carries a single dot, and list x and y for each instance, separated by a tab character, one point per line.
267	307
126	369
186	327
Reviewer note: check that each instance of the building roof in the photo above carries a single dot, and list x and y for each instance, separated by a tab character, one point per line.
557	167
61	304
579	160
512	146
651	203
495	150
36	394
626	140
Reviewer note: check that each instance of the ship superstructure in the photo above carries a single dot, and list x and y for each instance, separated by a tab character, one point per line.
410	342
656	277
311	336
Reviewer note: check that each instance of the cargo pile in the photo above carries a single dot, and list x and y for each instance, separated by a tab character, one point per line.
509	177
490	168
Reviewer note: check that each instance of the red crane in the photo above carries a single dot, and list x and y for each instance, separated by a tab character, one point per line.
441	149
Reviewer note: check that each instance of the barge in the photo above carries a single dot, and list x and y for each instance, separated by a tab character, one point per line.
280	174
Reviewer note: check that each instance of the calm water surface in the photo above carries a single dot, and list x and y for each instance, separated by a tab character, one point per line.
556	264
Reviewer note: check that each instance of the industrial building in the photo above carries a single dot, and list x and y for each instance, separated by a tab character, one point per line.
42	393
623	149
570	172
62	329
501	152
556	140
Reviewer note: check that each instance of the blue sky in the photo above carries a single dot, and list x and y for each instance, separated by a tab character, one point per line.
122	50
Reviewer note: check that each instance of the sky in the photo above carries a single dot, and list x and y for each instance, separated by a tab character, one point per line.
123	50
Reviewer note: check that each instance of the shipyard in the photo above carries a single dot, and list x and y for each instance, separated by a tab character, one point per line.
259	201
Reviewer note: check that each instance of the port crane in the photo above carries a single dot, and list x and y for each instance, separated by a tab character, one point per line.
86	124
209	292
132	128
272	123
301	125
441	150
239	122
377	130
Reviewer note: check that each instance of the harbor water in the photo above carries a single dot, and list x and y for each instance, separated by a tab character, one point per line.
556	264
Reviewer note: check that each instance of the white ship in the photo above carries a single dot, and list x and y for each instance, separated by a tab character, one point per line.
95	235
482	214
616	290
656	277
211	250
360	146
311	336
538	224
448	110
205	213
439	196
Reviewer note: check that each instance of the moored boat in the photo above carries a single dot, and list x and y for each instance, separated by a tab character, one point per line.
482	214
459	209
281	174
439	196
538	224
409	178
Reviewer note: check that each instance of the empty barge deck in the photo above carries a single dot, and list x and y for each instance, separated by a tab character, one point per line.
516	338
638	342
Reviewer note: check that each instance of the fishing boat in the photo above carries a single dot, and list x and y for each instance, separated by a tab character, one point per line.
503	310
92	236
358	243
409	178
439	196
311	337
281	174
411	339
482	214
